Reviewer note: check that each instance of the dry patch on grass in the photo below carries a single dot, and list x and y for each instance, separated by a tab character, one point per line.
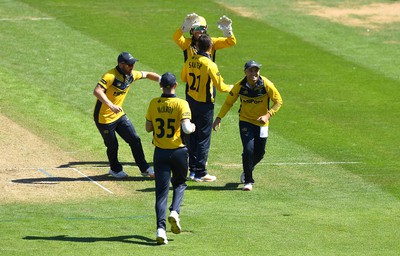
350	13
242	11
369	16
32	171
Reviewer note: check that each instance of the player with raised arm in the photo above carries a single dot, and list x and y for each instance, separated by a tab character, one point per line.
196	25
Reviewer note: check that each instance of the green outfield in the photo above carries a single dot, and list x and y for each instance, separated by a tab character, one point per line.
328	185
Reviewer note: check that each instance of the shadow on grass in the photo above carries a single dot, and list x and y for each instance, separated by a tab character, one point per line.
106	177
132	239
52	179
227	186
95	164
55	180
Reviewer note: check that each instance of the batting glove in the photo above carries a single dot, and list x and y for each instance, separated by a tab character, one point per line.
225	24
189	21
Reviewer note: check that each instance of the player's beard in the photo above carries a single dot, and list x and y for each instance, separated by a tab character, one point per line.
252	78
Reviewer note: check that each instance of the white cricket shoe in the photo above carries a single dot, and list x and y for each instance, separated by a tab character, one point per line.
148	173
191	176
206	178
248	187
173	219
161	236
118	175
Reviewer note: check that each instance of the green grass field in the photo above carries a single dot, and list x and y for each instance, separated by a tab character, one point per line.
330	181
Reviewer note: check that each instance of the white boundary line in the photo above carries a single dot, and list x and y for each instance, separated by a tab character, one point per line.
84	175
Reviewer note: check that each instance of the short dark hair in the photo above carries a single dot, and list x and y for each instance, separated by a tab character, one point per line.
204	42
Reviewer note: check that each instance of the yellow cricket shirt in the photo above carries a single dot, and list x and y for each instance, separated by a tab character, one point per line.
201	75
117	85
254	102
166	114
189	49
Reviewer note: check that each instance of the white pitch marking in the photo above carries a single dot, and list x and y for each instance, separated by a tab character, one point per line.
45	173
317	163
296	163
26	18
84	175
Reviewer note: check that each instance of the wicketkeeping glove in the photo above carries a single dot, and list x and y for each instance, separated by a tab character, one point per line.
225	24
189	21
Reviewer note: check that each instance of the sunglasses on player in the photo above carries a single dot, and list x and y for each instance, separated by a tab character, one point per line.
200	28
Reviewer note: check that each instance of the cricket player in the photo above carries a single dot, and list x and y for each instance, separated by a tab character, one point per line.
167	117
255	92
111	119
197	26
202	79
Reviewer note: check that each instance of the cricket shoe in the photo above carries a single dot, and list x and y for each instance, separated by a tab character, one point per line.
191	176
118	175
173	219
206	178
248	187
161	236
148	173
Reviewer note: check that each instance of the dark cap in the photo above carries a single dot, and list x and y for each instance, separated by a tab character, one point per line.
127	58
168	80
250	64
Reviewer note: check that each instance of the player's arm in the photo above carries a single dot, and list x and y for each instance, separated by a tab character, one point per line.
218	80
229	39
187	126
100	93
275	97
180	40
149	126
151	75
184	74
233	95
187	24
223	42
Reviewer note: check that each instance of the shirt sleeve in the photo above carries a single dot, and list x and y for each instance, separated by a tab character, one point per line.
230	100
223	42
183	74
275	97
137	75
180	40
106	80
186	113
217	79
148	113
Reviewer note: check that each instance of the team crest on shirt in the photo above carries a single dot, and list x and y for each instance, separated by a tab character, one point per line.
119	93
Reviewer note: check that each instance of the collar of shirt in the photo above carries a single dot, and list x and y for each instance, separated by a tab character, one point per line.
166	95
204	54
